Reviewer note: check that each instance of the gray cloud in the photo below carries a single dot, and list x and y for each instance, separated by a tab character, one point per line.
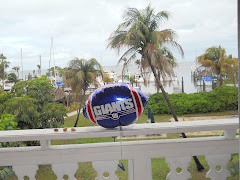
81	28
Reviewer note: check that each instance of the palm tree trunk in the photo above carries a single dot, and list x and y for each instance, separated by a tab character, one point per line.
79	109
218	80
3	77
160	86
234	81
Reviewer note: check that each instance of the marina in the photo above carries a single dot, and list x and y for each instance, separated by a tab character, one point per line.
182	78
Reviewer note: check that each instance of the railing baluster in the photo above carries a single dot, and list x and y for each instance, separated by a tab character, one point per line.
178	162
65	169
218	160
105	166
25	170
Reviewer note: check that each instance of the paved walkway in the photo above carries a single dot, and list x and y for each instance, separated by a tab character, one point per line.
72	113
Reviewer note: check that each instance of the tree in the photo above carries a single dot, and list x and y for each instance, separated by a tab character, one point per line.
106	78
25	111
16	68
6	123
80	75
132	80
32	103
39	89
217	62
4	96
3	65
12	77
139	34
39	69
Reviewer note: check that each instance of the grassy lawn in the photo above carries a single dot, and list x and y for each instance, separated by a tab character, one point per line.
159	166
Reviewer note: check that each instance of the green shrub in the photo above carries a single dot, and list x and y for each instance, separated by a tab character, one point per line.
221	99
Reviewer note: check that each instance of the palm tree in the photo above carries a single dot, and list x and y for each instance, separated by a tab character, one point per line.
80	75
16	68
139	34
217	62
3	65
39	69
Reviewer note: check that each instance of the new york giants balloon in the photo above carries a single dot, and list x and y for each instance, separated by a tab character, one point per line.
115	104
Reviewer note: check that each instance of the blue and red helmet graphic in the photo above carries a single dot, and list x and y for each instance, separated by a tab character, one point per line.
115	104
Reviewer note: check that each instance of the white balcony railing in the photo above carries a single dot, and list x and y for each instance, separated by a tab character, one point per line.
105	156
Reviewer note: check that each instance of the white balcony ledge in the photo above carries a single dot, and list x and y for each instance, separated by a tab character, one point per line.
178	152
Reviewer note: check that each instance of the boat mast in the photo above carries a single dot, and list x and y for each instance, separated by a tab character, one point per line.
54	64
22	64
50	59
40	73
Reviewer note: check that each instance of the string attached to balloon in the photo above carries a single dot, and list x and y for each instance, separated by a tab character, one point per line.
121	166
114	105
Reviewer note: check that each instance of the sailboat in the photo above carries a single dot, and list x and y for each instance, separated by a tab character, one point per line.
54	78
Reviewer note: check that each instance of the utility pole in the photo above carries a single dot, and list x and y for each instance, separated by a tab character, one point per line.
49	64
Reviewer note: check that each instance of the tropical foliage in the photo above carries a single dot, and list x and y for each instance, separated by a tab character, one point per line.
139	34
220	99
39	89
218	63
25	111
80	75
12	78
6	173
16	68
6	123
32	103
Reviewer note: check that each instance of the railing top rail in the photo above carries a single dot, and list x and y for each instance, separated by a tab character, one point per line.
134	129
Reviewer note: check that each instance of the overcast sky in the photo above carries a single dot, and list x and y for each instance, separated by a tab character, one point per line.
80	28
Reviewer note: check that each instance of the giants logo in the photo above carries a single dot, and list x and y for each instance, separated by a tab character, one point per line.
114	110
113	107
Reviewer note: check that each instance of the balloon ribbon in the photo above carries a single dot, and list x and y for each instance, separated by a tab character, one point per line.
121	166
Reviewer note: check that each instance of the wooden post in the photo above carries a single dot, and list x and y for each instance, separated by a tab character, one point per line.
204	86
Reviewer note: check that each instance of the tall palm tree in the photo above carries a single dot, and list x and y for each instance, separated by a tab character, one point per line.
16	68
80	75
217	62
3	65
139	34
